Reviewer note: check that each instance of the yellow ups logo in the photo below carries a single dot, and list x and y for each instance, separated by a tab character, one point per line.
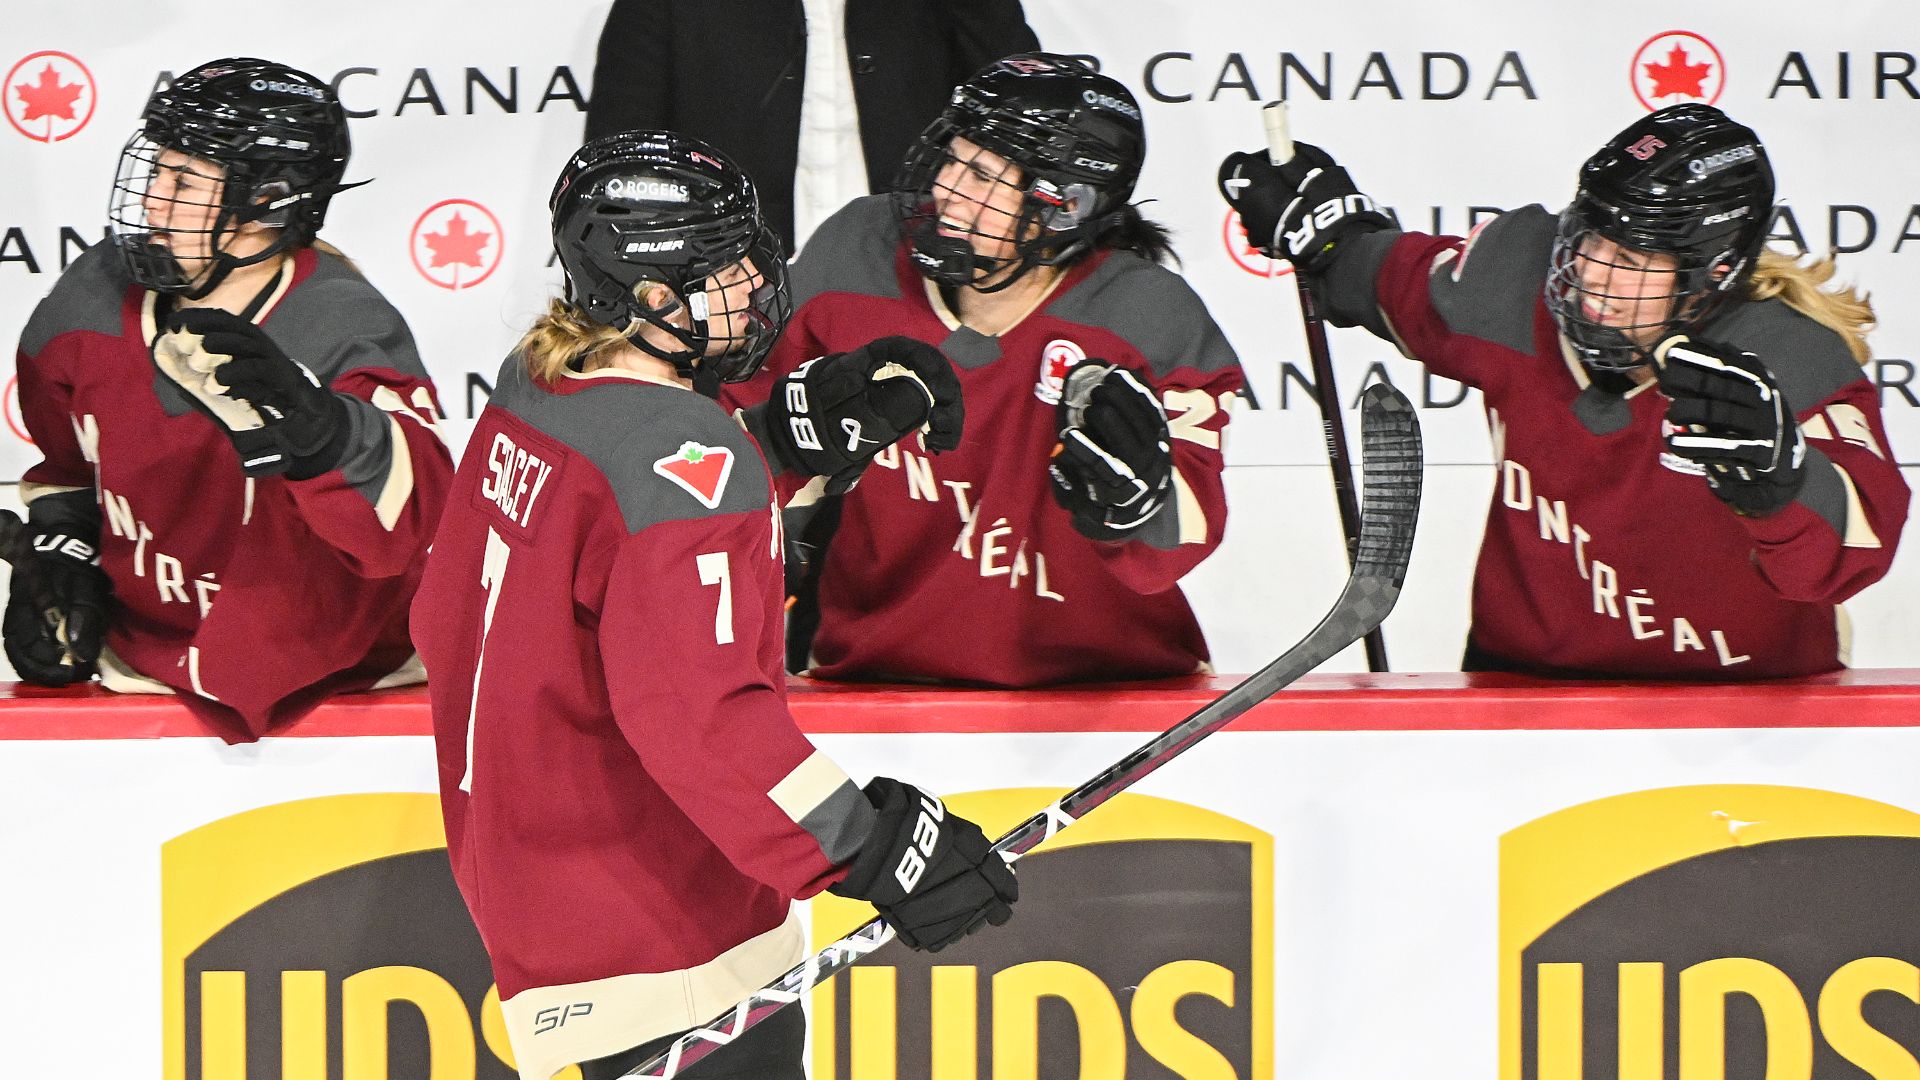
1712	933
1142	946
325	939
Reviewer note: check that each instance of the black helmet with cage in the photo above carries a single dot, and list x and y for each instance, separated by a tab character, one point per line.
1077	141
1686	182
641	208
276	138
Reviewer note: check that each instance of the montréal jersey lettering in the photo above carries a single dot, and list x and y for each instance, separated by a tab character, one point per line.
961	566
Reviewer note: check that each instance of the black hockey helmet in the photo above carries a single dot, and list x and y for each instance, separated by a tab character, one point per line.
1685	181
1078	142
278	136
637	208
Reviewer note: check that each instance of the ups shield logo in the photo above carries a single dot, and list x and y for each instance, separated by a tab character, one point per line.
1141	946
1712	933
323	939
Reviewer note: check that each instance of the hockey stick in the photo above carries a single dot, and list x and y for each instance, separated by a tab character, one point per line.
1279	152
1390	437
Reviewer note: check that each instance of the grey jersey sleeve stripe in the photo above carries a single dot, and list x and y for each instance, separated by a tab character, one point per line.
1152	308
852	251
820	798
1492	289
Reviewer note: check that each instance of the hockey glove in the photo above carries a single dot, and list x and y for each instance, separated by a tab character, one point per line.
931	874
1113	466
1729	418
1300	211
279	416
56	617
832	414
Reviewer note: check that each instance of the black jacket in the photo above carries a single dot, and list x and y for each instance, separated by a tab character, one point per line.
730	71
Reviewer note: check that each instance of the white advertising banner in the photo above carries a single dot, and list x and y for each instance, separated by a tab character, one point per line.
1317	905
463	113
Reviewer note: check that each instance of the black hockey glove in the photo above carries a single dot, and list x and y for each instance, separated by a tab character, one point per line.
1300	211
279	416
1729	417
931	874
1113	466
831	415
56	617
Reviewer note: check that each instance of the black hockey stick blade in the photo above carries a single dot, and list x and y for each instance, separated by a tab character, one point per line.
1390	507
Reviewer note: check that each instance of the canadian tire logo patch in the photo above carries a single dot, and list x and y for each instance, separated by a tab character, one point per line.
701	470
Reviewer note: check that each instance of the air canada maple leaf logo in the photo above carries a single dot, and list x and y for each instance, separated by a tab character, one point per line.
49	96
456	244
1677	66
699	470
1245	255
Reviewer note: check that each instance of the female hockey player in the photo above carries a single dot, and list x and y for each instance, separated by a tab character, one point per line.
1055	537
1693	473
629	807
248	411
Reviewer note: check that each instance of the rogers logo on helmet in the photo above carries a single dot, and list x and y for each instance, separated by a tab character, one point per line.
1713	163
1096	164
279	87
645	189
1105	101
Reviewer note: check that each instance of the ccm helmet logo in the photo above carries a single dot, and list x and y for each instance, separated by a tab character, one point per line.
926	833
279	87
644	189
1106	101
1096	164
1713	163
1731	215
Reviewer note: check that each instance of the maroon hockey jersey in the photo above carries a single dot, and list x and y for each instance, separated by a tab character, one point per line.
1598	557
962	567
628	803
252	599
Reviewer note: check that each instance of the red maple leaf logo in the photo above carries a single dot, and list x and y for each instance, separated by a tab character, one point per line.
456	244
701	470
48	97
1677	76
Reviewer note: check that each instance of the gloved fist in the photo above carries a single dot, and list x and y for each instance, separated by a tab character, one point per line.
56	616
1729	417
1299	211
832	414
1113	466
275	411
931	874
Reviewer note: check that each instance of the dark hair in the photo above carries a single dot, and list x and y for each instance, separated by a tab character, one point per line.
1133	231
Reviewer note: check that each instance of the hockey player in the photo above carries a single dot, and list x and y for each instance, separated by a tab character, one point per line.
1098	385
248	411
1693	473
629	807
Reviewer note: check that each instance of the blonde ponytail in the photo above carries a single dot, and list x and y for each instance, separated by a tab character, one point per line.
562	335
1842	309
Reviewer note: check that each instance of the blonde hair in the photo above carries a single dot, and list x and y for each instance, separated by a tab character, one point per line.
562	335
321	245
1842	309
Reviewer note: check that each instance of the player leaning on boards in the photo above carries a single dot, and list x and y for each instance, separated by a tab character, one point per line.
629	807
1693	470
1097	384
249	412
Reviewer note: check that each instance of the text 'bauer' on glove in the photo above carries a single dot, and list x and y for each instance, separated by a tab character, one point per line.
276	412
59	598
831	415
1300	211
931	873
1730	420
1113	466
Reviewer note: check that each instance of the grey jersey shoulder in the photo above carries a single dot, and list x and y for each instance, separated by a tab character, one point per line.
335	321
1810	361
86	296
1152	308
1491	290
852	251
634	432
